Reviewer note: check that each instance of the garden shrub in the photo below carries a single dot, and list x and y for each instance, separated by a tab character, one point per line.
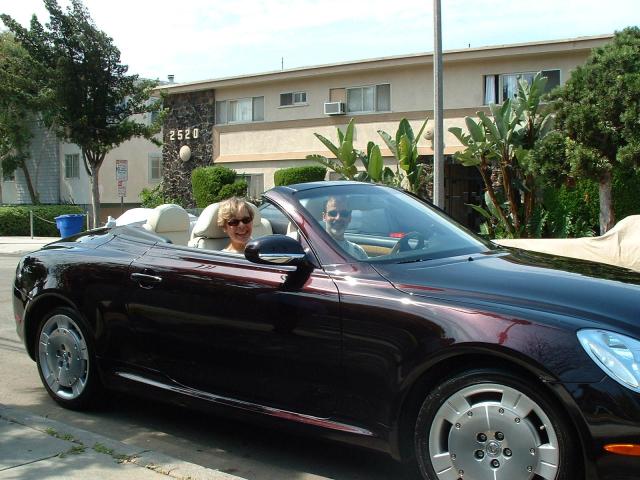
289	176
152	197
213	184
14	219
574	211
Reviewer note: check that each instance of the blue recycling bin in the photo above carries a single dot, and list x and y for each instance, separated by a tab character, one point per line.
69	224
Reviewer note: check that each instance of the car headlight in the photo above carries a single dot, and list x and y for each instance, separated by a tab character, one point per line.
616	354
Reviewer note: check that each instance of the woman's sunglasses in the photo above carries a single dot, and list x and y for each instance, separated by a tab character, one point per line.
234	222
334	213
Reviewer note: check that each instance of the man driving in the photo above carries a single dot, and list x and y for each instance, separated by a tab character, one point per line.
337	216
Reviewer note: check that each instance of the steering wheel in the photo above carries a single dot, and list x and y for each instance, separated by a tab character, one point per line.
403	244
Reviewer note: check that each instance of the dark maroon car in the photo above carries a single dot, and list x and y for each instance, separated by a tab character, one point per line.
400	331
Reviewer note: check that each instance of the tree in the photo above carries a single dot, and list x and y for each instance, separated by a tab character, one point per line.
92	101
19	102
599	112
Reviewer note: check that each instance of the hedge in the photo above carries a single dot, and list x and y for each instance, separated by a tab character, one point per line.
213	184
289	176
14	219
574	211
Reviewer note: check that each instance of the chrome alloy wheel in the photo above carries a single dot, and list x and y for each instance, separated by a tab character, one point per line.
492	432
63	357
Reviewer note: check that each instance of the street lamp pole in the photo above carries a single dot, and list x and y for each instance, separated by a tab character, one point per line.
438	136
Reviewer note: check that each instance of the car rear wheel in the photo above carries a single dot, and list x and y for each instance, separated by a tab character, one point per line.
486	424
66	361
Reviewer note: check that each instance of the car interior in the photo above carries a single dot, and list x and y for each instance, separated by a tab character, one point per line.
208	235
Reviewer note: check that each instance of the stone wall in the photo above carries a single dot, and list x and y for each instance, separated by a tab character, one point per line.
190	115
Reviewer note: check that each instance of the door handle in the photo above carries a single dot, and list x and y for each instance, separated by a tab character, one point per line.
145	280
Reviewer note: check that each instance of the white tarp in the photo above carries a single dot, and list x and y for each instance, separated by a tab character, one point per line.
619	246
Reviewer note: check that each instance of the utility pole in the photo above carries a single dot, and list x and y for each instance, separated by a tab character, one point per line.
438	136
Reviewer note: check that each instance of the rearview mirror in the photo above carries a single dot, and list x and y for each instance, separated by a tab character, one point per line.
275	250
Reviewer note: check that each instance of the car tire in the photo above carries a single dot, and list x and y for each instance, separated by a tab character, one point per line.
66	360
488	424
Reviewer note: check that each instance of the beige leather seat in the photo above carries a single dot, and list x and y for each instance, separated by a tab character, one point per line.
169	221
207	234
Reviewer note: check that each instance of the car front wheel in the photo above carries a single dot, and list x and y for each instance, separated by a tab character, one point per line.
490	425
66	362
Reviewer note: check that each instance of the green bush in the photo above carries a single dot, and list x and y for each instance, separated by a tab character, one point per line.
14	219
152	197
213	184
574	211
289	176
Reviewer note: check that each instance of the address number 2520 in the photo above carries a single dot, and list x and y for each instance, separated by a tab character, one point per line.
186	134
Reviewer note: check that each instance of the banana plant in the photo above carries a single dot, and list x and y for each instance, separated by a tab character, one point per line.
404	148
346	155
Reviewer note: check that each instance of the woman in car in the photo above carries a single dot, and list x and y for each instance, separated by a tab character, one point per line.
235	217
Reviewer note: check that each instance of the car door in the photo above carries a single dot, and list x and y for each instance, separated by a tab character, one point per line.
217	323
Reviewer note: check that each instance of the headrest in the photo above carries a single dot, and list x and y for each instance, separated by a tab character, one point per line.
207	223
167	218
171	221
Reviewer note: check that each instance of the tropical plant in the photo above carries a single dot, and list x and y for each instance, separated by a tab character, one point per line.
91	101
500	146
404	148
345	161
597	109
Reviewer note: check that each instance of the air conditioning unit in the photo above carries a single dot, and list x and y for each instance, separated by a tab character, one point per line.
334	108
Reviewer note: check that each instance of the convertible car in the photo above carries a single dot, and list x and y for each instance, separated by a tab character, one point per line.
464	359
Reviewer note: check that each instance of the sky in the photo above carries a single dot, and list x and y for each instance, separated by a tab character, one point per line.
206	39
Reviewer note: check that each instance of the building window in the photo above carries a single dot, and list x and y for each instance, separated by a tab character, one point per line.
242	110
255	183
500	87
293	98
72	166
155	167
370	98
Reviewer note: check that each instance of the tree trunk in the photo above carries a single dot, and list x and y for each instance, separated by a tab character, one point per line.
492	195
94	161
607	216
35	198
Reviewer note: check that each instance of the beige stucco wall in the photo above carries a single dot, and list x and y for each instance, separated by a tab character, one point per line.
136	151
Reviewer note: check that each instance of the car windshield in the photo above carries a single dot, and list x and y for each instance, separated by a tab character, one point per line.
379	224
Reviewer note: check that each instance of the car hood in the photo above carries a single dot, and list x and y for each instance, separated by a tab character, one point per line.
526	280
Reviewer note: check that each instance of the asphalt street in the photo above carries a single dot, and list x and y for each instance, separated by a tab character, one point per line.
242	449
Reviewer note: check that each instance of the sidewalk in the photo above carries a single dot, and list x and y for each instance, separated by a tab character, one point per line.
22	245
33	447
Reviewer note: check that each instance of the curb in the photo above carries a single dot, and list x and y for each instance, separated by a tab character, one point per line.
120	451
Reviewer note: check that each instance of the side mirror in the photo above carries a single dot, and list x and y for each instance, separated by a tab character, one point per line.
275	250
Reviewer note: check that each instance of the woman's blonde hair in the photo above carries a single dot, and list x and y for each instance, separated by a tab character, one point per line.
230	207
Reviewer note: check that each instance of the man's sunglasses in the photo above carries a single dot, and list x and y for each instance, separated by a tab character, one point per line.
334	213
234	222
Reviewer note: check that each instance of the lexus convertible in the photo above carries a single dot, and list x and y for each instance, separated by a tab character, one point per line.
464	359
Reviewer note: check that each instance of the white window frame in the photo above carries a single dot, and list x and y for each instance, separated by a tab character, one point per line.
255	183
74	170
499	97
227	107
294	102
153	157
375	97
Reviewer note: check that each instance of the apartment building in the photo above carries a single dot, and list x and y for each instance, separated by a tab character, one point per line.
257	124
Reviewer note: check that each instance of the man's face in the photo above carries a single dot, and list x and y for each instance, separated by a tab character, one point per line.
336	217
